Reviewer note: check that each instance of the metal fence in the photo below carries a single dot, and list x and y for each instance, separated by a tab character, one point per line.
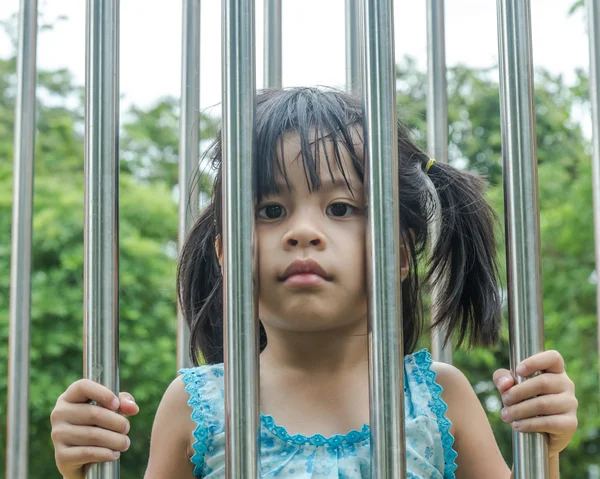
371	72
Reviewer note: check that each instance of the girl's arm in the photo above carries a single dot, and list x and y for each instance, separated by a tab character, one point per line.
171	436
478	452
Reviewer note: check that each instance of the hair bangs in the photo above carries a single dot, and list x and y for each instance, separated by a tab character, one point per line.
317	118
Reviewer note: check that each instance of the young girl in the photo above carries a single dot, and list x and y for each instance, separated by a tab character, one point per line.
308	176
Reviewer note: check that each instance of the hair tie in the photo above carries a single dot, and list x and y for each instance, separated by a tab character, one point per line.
429	163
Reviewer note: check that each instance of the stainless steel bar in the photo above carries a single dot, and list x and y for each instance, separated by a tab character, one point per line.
272	46
241	325
353	48
188	148
388	452
593	10
526	321
20	269
101	234
437	126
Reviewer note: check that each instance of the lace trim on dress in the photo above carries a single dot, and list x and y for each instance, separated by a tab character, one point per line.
439	408
195	380
352	437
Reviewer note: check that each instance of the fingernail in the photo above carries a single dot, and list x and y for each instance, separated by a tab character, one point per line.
521	370
504	414
130	399
505	398
516	425
127	426
114	405
128	442
116	454
502	381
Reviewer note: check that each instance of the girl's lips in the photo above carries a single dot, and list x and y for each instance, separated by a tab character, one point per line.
305	279
303	267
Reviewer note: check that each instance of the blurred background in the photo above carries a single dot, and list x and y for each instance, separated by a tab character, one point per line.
313	54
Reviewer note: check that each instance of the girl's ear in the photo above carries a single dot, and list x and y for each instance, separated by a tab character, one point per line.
218	250
405	257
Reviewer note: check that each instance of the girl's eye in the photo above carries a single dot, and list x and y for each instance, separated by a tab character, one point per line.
341	210
271	212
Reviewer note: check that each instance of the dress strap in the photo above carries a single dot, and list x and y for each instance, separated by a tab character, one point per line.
438	408
204	385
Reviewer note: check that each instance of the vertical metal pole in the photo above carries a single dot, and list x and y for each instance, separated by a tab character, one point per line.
353	48
101	236
594	37
437	126
239	308
188	147
272	47
388	453
20	281
521	211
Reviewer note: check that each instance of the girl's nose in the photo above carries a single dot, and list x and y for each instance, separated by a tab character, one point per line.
303	237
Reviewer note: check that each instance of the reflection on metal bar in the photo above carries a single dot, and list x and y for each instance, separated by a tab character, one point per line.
353	49
241	326
594	36
272	47
101	236
188	148
20	280
388	452
521	211
437	127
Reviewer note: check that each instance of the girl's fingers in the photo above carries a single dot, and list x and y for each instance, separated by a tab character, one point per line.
92	415
127	405
503	379
86	390
540	406
558	424
537	386
82	455
82	436
547	361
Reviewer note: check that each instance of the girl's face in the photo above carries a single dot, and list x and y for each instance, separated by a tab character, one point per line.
318	235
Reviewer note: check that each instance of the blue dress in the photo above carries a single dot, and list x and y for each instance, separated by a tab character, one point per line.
429	452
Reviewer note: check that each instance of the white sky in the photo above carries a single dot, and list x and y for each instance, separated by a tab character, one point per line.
313	41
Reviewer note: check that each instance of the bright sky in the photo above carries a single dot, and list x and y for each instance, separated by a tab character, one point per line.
313	41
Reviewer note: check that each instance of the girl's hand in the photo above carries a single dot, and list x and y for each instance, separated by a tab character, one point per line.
83	433
544	403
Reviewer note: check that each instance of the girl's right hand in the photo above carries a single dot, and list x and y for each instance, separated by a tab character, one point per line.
84	433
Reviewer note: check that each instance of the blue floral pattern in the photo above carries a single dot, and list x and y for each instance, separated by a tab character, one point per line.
429	452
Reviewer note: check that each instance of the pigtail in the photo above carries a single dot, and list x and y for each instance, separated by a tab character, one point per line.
200	289
463	264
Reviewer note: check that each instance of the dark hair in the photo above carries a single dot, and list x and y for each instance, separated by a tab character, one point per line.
462	260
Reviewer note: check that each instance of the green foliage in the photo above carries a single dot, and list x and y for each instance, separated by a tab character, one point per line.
148	230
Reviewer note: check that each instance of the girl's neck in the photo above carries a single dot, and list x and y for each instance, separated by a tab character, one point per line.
324	352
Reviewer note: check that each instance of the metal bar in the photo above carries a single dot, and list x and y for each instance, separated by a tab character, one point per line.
189	127
353	49
272	47
526	321
437	127
101	236
593	7
241	326
20	280
388	452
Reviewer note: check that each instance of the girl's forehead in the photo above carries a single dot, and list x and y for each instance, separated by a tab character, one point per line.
331	159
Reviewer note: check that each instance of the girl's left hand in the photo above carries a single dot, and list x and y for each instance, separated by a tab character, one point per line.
544	403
